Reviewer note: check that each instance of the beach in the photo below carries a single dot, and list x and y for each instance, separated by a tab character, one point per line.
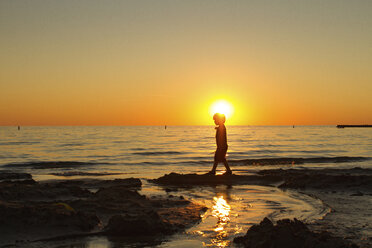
53	213
93	202
185	124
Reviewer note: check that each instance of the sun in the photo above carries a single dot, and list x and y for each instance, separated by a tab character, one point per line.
222	107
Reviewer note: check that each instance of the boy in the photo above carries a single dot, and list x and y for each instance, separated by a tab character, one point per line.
221	141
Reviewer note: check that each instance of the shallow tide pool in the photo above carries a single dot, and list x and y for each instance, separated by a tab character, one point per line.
231	211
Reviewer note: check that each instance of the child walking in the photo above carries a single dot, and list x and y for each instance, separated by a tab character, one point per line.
221	141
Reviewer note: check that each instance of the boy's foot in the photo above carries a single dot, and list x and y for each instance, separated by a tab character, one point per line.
211	173
227	173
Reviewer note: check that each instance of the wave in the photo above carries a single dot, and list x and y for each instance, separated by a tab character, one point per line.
83	173
119	141
189	161
283	160
51	164
71	144
279	161
10	143
138	149
156	153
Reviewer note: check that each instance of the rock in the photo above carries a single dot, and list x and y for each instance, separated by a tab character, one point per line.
288	234
127	182
166	218
31	210
132	183
37	220
117	193
176	179
145	224
31	190
358	193
4	175
322	178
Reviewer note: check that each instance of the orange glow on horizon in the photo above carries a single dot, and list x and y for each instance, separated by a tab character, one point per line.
133	63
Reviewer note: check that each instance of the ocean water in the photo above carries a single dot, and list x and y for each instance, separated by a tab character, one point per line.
152	151
148	152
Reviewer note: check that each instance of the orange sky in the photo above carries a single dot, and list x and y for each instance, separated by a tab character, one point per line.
165	62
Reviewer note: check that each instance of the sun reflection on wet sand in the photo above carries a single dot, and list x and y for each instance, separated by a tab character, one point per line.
221	210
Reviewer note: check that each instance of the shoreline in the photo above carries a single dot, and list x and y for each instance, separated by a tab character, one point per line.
346	191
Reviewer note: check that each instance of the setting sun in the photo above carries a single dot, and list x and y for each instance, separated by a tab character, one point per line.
222	107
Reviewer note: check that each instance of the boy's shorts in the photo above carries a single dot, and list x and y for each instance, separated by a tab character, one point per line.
220	154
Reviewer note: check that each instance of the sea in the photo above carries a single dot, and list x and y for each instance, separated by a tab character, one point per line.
148	152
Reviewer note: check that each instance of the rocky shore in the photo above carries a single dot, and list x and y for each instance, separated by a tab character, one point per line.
33	211
289	234
347	192
175	179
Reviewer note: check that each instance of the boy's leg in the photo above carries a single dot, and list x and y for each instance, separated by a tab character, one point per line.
227	166
213	171
214	166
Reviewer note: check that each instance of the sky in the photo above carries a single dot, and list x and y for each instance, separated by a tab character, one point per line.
279	62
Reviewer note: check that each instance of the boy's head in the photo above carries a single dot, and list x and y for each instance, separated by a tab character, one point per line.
219	118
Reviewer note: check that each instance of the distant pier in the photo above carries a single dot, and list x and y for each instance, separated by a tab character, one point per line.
343	126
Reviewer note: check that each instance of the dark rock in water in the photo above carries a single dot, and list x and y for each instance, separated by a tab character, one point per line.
127	182
31	210
97	183
128	213
145	224
115	200
289	161
117	194
288	234
166	218
20	220
31	190
358	193
322	178
4	175
204	179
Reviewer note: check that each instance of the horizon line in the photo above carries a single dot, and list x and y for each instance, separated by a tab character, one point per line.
174	125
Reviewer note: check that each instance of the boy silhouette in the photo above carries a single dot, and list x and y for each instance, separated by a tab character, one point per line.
221	142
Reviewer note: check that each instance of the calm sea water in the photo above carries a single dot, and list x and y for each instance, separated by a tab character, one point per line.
152	151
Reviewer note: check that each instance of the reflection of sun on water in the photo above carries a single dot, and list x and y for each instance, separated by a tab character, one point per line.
221	210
